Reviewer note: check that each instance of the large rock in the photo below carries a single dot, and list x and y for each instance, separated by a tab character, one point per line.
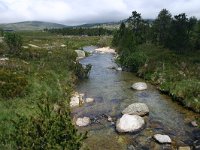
139	86
76	100
129	123
163	139
80	53
82	122
140	109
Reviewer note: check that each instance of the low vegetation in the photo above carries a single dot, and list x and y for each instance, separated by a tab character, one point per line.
35	89
164	52
81	31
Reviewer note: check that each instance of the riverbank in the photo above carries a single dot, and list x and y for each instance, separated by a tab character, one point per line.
174	74
39	79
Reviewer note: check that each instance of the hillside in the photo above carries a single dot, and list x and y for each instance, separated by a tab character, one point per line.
30	25
106	25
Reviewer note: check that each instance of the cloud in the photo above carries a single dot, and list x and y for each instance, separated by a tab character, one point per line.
89	11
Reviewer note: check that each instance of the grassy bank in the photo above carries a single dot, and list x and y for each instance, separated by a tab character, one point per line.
174	74
36	80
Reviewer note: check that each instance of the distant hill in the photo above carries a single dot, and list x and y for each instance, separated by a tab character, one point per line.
107	25
30	25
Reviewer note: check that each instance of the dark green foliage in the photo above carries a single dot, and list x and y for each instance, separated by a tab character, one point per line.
161	28
12	84
81	31
138	28
1	32
47	130
134	60
14	42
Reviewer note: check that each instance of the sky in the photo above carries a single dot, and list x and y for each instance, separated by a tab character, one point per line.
74	12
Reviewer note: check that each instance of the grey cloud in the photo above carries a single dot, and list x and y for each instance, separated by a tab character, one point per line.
90	11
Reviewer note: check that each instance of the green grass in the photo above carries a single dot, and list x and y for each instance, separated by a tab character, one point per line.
173	73
50	74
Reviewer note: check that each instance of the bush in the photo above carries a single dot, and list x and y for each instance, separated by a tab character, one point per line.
47	130
12	84
134	60
14	42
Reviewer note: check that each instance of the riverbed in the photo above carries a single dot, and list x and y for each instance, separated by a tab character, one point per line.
112	93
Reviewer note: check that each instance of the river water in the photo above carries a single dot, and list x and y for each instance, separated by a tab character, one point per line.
112	93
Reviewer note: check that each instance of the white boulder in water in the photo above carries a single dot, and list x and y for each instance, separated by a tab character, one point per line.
89	100
4	59
129	123
163	139
139	86
76	100
119	69
82	122
80	53
140	109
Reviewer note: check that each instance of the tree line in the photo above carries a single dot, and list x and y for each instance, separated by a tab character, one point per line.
178	33
81	31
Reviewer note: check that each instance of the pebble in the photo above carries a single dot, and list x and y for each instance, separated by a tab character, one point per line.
194	124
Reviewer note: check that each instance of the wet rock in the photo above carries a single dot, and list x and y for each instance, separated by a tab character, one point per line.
163	139
82	122
110	119
196	145
131	147
119	69
89	100
140	109
80	53
139	86
129	123
4	59
194	124
184	148
196	134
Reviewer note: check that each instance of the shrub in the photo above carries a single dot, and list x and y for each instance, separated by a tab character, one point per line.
14	42
12	84
134	60
47	130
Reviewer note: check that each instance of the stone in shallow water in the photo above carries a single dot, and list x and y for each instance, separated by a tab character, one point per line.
194	124
139	86
89	100
82	122
119	69
163	139
184	148
129	123
140	109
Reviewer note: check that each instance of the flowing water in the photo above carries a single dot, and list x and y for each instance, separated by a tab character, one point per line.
112	93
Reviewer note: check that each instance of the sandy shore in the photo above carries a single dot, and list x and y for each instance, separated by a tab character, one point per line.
105	50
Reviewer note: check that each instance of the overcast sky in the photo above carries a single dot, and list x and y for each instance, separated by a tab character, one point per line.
72	12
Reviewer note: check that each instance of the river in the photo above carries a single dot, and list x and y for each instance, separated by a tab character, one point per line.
112	93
